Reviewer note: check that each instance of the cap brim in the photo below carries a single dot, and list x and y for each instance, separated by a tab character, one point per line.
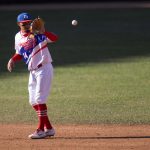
25	21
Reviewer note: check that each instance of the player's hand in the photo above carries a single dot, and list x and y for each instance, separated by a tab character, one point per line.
37	26
10	65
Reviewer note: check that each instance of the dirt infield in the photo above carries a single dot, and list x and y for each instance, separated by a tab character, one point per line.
70	137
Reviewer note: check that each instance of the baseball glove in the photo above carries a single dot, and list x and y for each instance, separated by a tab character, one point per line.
37	26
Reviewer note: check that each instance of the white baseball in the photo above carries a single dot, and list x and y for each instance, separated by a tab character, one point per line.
74	22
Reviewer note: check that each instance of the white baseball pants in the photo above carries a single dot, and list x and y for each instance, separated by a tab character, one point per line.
39	85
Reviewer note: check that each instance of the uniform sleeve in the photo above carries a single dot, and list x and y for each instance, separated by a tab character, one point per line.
17	45
51	37
16	57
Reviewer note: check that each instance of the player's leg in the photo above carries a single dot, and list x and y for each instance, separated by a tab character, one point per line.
44	121
32	92
44	81
32	89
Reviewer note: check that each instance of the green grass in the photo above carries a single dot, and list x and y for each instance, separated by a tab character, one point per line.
87	93
101	68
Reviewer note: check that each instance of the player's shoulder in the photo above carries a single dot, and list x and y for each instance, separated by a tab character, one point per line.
17	35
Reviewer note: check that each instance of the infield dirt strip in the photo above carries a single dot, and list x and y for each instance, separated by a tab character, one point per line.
70	137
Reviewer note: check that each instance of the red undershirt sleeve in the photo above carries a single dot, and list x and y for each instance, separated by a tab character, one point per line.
16	57
53	37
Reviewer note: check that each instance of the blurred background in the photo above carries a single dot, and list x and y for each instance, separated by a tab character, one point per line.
106	31
62	1
101	65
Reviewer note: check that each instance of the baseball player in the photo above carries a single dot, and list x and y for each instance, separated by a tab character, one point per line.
32	48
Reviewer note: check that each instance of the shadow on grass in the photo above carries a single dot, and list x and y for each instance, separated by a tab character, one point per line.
83	55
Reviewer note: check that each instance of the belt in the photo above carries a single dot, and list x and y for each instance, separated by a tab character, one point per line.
39	66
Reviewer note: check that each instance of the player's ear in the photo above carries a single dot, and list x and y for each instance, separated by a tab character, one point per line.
18	24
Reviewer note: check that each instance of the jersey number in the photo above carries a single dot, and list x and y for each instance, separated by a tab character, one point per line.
25	55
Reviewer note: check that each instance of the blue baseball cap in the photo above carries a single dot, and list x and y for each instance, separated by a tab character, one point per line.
24	17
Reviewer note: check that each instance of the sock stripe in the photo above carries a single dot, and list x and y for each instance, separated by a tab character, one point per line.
41	110
42	113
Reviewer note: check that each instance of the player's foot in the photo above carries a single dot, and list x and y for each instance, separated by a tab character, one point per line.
38	134
50	132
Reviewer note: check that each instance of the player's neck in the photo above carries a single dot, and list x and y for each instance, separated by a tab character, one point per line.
25	31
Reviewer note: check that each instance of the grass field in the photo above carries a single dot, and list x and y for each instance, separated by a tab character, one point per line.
101	68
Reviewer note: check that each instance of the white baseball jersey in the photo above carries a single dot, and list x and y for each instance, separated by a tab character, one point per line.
34	50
